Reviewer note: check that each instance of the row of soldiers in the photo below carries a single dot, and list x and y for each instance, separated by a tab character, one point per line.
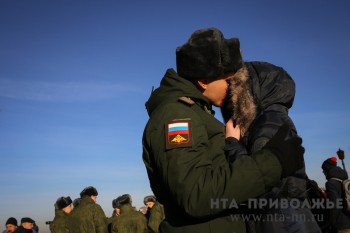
87	216
27	225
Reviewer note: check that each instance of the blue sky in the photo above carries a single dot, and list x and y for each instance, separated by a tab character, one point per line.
74	77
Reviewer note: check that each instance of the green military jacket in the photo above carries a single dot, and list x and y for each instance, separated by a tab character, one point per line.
188	170
130	221
88	217
110	221
156	217
60	222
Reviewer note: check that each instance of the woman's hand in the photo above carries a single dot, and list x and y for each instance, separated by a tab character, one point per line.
232	131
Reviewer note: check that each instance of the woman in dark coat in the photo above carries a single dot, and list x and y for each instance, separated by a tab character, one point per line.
258	99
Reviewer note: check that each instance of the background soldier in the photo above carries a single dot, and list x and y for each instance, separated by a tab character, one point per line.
338	219
130	220
26	226
11	225
88	217
116	213
156	213
63	207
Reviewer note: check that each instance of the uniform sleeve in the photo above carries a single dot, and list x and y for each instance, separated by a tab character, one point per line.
233	149
199	178
52	228
114	227
59	225
155	218
142	222
100	220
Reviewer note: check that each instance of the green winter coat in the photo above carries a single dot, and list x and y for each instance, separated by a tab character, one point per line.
88	217
110	221
130	221
192	177
60	222
156	217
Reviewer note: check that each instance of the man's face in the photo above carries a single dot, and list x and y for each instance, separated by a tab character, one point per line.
216	90
149	204
117	211
94	198
68	209
27	225
10	228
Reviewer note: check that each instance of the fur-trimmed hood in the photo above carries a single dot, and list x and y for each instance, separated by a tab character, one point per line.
254	88
239	102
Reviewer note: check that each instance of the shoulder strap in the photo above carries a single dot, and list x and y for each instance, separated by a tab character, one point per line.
186	100
189	102
337	179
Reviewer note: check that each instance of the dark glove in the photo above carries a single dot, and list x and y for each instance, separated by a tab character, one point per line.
233	149
290	152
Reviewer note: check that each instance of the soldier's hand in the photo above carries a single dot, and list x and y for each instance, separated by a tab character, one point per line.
290	153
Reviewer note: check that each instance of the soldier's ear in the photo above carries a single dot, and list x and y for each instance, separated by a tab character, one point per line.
202	84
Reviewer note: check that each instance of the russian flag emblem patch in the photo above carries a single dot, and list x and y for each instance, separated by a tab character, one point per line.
178	134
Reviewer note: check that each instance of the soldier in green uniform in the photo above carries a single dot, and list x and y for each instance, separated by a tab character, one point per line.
156	213
114	218
63	207
88	217
186	149
130	220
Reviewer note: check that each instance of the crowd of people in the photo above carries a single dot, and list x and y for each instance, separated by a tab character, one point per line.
26	225
85	215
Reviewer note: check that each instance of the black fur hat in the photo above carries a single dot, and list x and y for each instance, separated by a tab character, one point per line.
208	55
76	202
63	202
89	191
11	221
149	198
26	219
115	204
121	200
329	163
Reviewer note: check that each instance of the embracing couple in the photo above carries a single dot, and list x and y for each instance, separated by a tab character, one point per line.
192	158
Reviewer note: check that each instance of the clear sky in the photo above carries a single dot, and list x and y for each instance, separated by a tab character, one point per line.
74	77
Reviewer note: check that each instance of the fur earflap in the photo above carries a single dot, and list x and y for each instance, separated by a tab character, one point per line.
239	103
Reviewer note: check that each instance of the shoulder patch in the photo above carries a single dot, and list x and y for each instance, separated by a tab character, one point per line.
178	134
186	100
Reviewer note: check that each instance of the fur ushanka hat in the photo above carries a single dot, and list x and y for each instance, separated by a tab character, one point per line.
149	198
207	55
121	200
63	202
89	191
